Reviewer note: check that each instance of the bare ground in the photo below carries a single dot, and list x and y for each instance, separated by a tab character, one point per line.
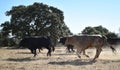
22	59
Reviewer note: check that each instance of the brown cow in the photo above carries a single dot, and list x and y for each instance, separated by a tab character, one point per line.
86	41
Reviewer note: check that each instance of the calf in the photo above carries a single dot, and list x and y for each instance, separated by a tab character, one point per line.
84	42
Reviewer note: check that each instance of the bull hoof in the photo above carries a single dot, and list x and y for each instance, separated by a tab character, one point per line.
79	57
87	56
48	54
34	56
93	61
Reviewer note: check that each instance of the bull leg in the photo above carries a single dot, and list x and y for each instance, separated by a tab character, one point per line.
34	52
85	54
98	51
53	48
72	49
49	52
39	50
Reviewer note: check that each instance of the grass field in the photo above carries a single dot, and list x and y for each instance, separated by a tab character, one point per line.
22	59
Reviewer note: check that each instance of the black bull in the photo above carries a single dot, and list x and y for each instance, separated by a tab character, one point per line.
33	43
113	41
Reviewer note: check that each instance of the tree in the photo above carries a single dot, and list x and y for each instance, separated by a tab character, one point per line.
6	29
98	30
95	30
102	30
90	30
36	20
4	34
111	35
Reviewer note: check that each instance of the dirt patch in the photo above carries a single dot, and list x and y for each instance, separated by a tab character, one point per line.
22	59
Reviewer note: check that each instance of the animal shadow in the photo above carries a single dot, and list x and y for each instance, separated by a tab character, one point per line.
25	59
73	62
23	53
21	59
79	62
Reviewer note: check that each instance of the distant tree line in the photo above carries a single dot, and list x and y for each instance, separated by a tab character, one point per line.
39	20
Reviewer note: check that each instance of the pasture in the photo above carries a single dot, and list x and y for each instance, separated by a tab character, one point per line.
22	59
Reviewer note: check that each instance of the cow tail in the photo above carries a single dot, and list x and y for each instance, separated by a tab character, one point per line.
106	43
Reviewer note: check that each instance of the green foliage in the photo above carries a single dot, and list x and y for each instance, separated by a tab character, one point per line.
35	20
6	29
98	30
90	30
111	35
95	30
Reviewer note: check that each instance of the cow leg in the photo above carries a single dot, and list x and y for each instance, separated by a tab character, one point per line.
85	54
67	51
68	48
98	51
78	52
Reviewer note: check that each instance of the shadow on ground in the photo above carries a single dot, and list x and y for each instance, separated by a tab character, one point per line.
13	48
25	59
23	53
81	62
71	62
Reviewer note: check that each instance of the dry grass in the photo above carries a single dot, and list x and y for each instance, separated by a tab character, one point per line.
22	59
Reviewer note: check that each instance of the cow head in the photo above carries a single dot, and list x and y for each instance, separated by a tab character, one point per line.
62	40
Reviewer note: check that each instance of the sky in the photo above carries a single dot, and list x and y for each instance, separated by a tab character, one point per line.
78	14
